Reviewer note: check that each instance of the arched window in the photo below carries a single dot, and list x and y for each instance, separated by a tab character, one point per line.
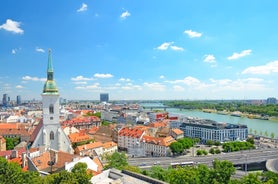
51	109
51	135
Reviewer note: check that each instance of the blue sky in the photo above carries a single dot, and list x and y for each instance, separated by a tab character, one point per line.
177	49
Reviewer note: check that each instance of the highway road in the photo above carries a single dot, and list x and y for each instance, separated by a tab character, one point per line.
240	157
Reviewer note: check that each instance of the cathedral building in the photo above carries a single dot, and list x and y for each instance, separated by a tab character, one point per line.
49	134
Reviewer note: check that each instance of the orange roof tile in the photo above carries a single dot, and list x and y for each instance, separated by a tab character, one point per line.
79	137
162	141
8	125
89	146
177	131
109	144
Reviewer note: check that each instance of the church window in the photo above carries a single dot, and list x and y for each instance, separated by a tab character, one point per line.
51	135
51	109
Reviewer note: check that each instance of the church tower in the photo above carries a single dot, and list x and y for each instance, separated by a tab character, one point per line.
51	135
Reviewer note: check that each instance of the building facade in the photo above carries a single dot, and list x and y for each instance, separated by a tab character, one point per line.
211	130
104	97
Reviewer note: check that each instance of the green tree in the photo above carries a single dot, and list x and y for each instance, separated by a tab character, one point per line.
217	151
211	151
204	174
209	142
158	172
183	175
272	135
222	171
270	176
199	152
11	172
80	173
251	178
266	133
250	140
116	160
176	147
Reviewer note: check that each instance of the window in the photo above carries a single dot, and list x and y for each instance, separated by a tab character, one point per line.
51	109
51	135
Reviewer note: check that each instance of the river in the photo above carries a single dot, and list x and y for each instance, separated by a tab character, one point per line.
260	126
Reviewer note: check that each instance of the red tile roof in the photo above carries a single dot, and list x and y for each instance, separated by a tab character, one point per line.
134	132
79	137
162	141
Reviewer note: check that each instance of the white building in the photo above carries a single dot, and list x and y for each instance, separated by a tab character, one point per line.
49	134
212	130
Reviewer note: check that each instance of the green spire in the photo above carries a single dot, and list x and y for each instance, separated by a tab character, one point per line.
49	66
50	85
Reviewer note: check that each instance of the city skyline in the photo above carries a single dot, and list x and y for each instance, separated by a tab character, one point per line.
140	50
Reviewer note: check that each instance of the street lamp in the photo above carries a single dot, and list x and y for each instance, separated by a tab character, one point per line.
245	164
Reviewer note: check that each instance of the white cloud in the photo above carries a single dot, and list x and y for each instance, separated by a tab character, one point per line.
80	82
124	80
12	26
268	68
192	34
18	87
239	55
89	87
209	58
247	84
155	86
161	76
125	14
98	75
178	88
83	7
13	51
28	78
80	78
176	48
40	50
164	46
187	80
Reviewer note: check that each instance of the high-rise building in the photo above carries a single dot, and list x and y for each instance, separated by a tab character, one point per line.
50	134
271	100
104	97
18	99
5	100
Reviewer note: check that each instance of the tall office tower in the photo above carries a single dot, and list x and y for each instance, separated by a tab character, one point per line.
271	100
50	134
104	97
5	100
18	99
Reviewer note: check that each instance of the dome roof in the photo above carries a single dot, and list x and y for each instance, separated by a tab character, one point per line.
50	87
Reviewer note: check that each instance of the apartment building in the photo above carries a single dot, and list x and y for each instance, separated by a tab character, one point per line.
212	130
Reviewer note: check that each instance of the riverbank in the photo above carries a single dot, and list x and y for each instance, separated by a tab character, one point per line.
241	114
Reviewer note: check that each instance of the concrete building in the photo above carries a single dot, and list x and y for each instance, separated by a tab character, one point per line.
212	130
49	133
18	100
271	100
104	97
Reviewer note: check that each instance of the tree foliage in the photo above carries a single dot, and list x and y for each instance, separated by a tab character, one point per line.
263	109
237	146
116	160
12	142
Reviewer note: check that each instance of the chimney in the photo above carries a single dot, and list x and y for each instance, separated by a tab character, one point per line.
23	158
14	154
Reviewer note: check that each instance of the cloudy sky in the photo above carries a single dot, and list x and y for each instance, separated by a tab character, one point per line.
176	49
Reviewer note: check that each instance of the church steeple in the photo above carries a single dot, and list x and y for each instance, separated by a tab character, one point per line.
50	85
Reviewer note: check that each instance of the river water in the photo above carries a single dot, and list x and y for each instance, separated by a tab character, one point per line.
261	126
